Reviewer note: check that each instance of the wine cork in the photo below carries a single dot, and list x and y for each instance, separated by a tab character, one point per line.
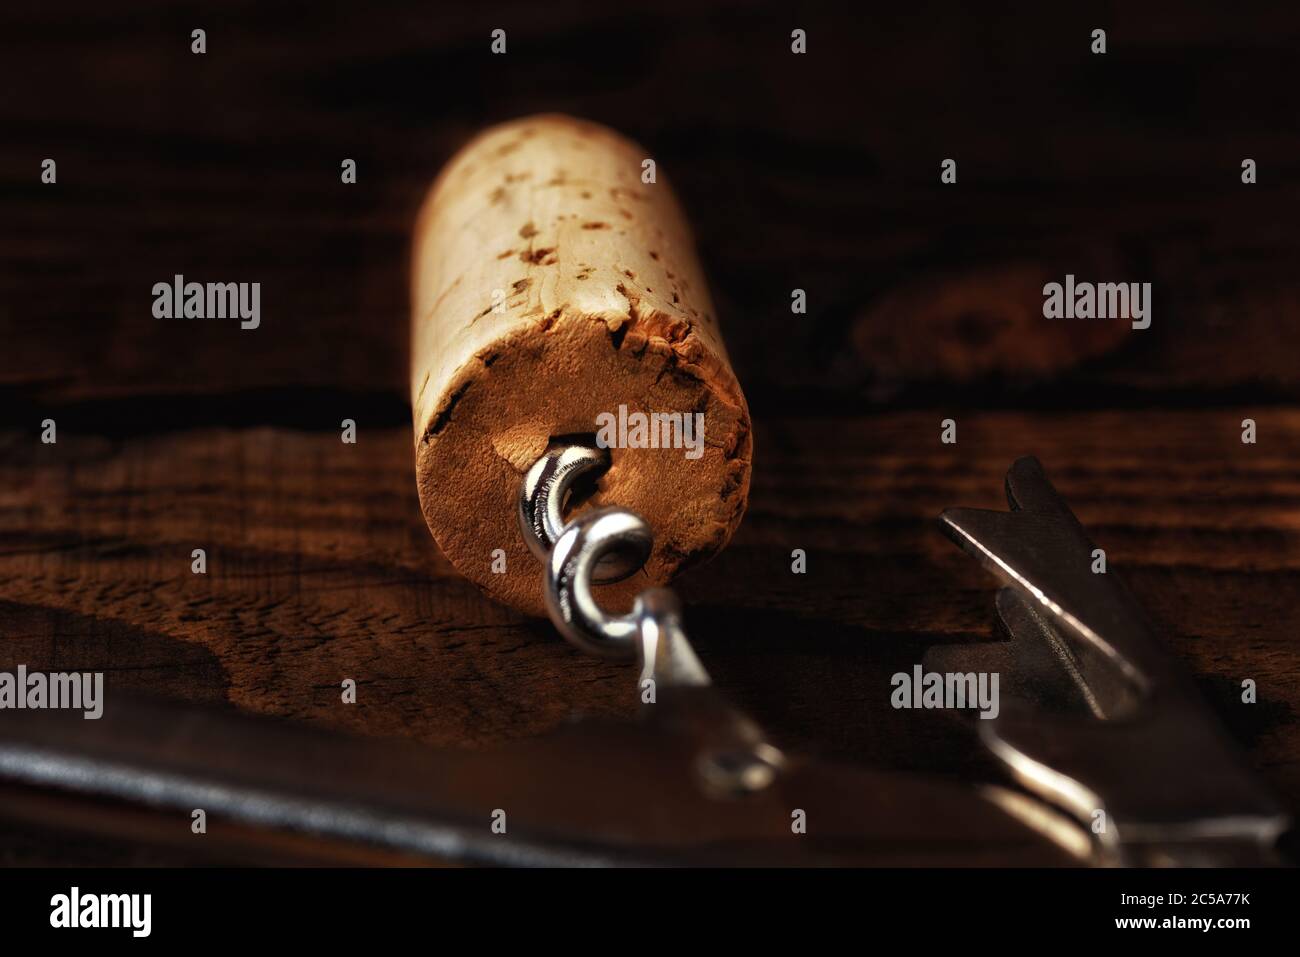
556	292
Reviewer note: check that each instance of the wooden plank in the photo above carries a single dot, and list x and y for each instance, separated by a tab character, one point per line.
320	568
226	166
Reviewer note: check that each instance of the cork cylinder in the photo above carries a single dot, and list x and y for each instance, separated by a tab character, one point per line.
554	280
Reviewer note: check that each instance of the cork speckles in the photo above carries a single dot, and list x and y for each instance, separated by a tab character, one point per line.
543	256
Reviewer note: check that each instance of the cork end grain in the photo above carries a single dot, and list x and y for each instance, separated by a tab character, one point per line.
600	303
472	456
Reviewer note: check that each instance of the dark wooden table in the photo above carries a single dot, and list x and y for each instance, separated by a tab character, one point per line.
818	172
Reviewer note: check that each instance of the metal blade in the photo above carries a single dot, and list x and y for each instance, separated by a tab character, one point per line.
592	794
1166	780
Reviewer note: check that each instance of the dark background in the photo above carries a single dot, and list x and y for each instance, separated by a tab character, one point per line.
819	172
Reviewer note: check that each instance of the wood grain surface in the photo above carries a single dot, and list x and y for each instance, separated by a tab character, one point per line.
819	173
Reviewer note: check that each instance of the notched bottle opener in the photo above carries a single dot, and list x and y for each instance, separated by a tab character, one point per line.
1120	728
